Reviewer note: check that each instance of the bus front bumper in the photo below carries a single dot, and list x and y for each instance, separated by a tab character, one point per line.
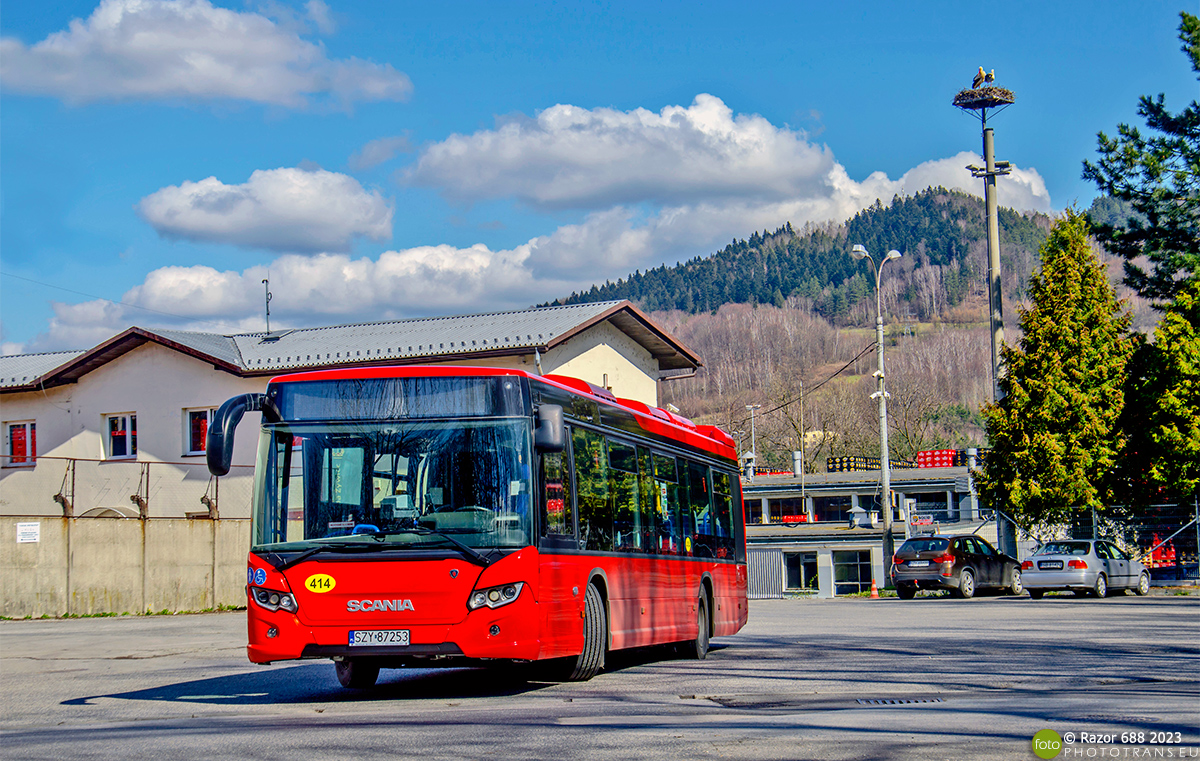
509	632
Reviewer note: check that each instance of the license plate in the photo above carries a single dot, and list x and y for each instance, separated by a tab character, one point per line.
918	564
1050	565
377	637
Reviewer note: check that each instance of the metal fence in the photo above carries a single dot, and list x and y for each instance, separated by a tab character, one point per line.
86	536
82	488
765	574
1164	537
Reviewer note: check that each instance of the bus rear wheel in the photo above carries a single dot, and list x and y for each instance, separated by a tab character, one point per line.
698	649
356	673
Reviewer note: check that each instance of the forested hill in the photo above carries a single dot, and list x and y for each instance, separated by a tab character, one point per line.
942	234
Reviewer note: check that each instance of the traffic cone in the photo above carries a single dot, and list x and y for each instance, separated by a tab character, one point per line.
874	590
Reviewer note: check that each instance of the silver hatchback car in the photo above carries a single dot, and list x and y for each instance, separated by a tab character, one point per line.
1083	566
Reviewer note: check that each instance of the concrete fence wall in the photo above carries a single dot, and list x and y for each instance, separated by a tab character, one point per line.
84	566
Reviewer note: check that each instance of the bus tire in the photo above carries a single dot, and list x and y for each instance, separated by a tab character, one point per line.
356	673
595	637
697	649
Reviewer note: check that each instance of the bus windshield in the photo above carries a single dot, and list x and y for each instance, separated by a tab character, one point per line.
409	484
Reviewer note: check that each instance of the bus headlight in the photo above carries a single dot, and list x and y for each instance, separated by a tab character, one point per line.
495	597
272	600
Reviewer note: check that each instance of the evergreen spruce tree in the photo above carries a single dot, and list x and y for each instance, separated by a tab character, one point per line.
1054	436
1157	175
1162	410
1174	421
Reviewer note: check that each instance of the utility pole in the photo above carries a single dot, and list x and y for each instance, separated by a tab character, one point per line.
803	437
977	101
753	445
885	465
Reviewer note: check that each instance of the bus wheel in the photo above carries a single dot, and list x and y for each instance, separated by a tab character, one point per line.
356	673
698	648
595	637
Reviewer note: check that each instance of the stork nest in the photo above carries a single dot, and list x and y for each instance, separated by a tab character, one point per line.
984	97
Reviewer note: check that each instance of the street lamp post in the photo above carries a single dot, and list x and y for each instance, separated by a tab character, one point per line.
859	252
753	449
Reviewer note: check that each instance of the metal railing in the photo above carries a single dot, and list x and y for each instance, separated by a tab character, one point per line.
74	487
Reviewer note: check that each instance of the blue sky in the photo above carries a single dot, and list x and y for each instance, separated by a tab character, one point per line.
393	159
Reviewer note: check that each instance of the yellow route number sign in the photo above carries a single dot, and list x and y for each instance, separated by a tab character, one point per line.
319	582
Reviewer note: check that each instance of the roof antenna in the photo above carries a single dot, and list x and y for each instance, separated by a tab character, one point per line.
267	288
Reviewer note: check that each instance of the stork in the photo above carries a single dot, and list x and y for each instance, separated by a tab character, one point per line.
980	78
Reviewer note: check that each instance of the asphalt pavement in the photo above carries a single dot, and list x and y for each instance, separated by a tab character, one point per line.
806	679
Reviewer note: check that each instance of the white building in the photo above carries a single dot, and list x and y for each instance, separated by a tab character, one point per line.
119	429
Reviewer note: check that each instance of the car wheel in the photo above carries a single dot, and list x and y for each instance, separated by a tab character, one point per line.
1035	594
1143	586
1101	587
356	673
966	584
906	592
1014	583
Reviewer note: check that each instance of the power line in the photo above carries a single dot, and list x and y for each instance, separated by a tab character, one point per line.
119	303
869	347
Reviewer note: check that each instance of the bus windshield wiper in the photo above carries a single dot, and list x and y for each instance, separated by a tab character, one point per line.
328	547
469	552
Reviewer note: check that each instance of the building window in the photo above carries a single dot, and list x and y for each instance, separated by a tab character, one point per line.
753	510
851	571
788	510
195	429
832	508
801	571
21	443
122	435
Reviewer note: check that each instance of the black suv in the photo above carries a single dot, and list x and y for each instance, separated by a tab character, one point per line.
962	564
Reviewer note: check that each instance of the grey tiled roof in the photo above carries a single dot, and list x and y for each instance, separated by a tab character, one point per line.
221	347
19	369
338	345
412	339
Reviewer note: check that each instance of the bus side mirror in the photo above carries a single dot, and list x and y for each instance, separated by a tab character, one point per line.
550	436
218	449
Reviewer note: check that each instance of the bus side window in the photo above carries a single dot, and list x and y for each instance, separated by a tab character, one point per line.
590	456
623	490
559	515
647	507
666	503
697	513
723	515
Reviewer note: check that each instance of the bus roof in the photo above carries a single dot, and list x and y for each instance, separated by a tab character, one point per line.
652	419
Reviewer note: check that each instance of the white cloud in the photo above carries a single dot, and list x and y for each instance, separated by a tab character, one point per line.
614	242
1024	189
700	157
569	157
637	218
308	290
144	49
283	209
378	151
318	12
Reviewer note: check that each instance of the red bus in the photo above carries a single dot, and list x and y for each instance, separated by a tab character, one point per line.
424	516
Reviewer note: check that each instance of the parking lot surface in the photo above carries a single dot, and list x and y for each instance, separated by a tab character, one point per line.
930	678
